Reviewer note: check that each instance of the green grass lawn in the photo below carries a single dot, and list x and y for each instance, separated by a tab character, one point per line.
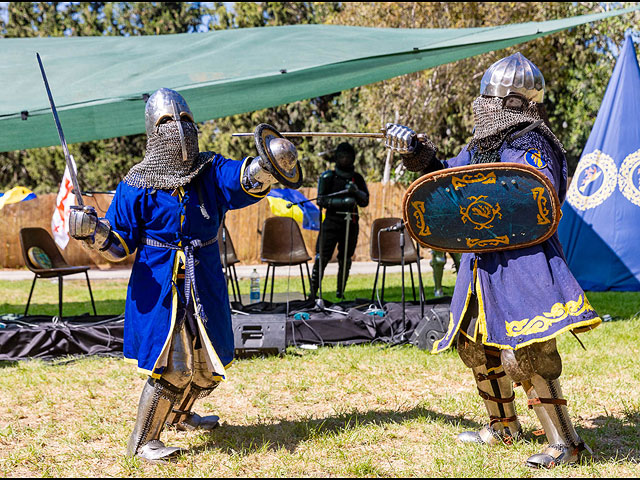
366	410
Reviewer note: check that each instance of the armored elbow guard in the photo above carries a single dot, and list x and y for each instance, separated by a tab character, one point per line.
108	244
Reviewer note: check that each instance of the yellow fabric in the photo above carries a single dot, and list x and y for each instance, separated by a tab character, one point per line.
279	208
15	195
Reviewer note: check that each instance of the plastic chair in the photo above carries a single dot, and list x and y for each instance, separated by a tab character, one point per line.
283	245
39	237
388	253
228	258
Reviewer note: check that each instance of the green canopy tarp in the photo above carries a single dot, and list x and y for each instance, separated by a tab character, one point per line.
98	83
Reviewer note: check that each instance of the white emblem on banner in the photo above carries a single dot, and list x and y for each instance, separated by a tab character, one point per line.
629	177
593	182
64	200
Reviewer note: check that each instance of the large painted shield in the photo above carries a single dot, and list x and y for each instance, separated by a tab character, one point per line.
481	208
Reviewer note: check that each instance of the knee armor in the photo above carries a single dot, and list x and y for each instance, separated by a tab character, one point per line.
538	358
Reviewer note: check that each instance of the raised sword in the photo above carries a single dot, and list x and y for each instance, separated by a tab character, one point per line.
65	149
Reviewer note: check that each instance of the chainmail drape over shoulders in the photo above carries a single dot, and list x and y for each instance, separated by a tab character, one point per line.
493	124
163	166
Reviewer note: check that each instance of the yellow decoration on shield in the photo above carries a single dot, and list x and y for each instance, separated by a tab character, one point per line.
480	212
543	211
459	182
489	242
421	223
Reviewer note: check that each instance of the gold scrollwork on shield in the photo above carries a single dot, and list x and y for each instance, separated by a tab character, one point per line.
542	323
489	242
480	213
543	211
418	213
459	182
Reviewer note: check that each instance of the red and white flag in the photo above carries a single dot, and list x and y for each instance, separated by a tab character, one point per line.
66	198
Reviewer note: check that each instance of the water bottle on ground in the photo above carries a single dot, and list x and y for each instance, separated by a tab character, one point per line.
254	295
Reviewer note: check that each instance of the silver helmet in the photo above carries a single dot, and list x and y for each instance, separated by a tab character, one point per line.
165	105
513	74
160	108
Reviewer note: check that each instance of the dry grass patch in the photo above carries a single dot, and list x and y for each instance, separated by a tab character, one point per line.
356	411
346	411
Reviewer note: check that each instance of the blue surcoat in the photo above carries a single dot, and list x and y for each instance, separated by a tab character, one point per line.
525	295
150	309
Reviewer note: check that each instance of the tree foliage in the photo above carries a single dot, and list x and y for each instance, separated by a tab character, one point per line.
577	64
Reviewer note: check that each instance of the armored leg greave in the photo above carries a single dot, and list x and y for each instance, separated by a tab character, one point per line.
156	402
546	400
158	398
537	367
202	384
496	389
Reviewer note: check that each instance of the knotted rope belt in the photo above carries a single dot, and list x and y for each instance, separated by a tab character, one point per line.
189	267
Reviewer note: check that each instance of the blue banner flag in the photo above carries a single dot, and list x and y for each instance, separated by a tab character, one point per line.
306	212
600	227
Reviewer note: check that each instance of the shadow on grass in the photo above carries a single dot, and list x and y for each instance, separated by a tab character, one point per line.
613	438
69	309
288	434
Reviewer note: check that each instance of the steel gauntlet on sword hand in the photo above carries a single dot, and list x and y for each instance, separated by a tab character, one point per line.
83	222
418	152
95	233
399	138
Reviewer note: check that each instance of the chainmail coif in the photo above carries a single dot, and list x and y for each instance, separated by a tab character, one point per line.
494	124
163	166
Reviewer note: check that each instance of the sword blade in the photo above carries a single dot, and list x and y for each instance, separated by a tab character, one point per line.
65	148
320	134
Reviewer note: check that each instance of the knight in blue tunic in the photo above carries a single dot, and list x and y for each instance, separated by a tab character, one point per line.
169	208
509	306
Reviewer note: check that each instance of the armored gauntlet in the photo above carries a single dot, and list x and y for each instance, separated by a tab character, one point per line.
418	152
95	233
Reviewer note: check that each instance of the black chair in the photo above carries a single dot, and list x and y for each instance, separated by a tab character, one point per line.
388	253
228	258
39	237
282	245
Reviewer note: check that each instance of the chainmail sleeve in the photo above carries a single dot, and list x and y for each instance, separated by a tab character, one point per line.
423	158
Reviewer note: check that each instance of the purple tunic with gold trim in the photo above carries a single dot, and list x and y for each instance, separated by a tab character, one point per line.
525	295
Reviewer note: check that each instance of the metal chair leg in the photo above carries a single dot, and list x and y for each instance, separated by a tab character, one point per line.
235	280
229	277
304	292
375	282
273	280
413	285
93	304
33	284
266	282
60	297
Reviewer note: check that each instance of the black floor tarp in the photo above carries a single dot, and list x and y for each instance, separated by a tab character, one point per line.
40	337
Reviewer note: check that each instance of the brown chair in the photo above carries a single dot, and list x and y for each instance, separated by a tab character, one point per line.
228	258
282	245
39	237
388	253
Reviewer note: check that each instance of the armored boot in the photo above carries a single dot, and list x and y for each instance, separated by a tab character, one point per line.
496	389
156	402
182	417
565	446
